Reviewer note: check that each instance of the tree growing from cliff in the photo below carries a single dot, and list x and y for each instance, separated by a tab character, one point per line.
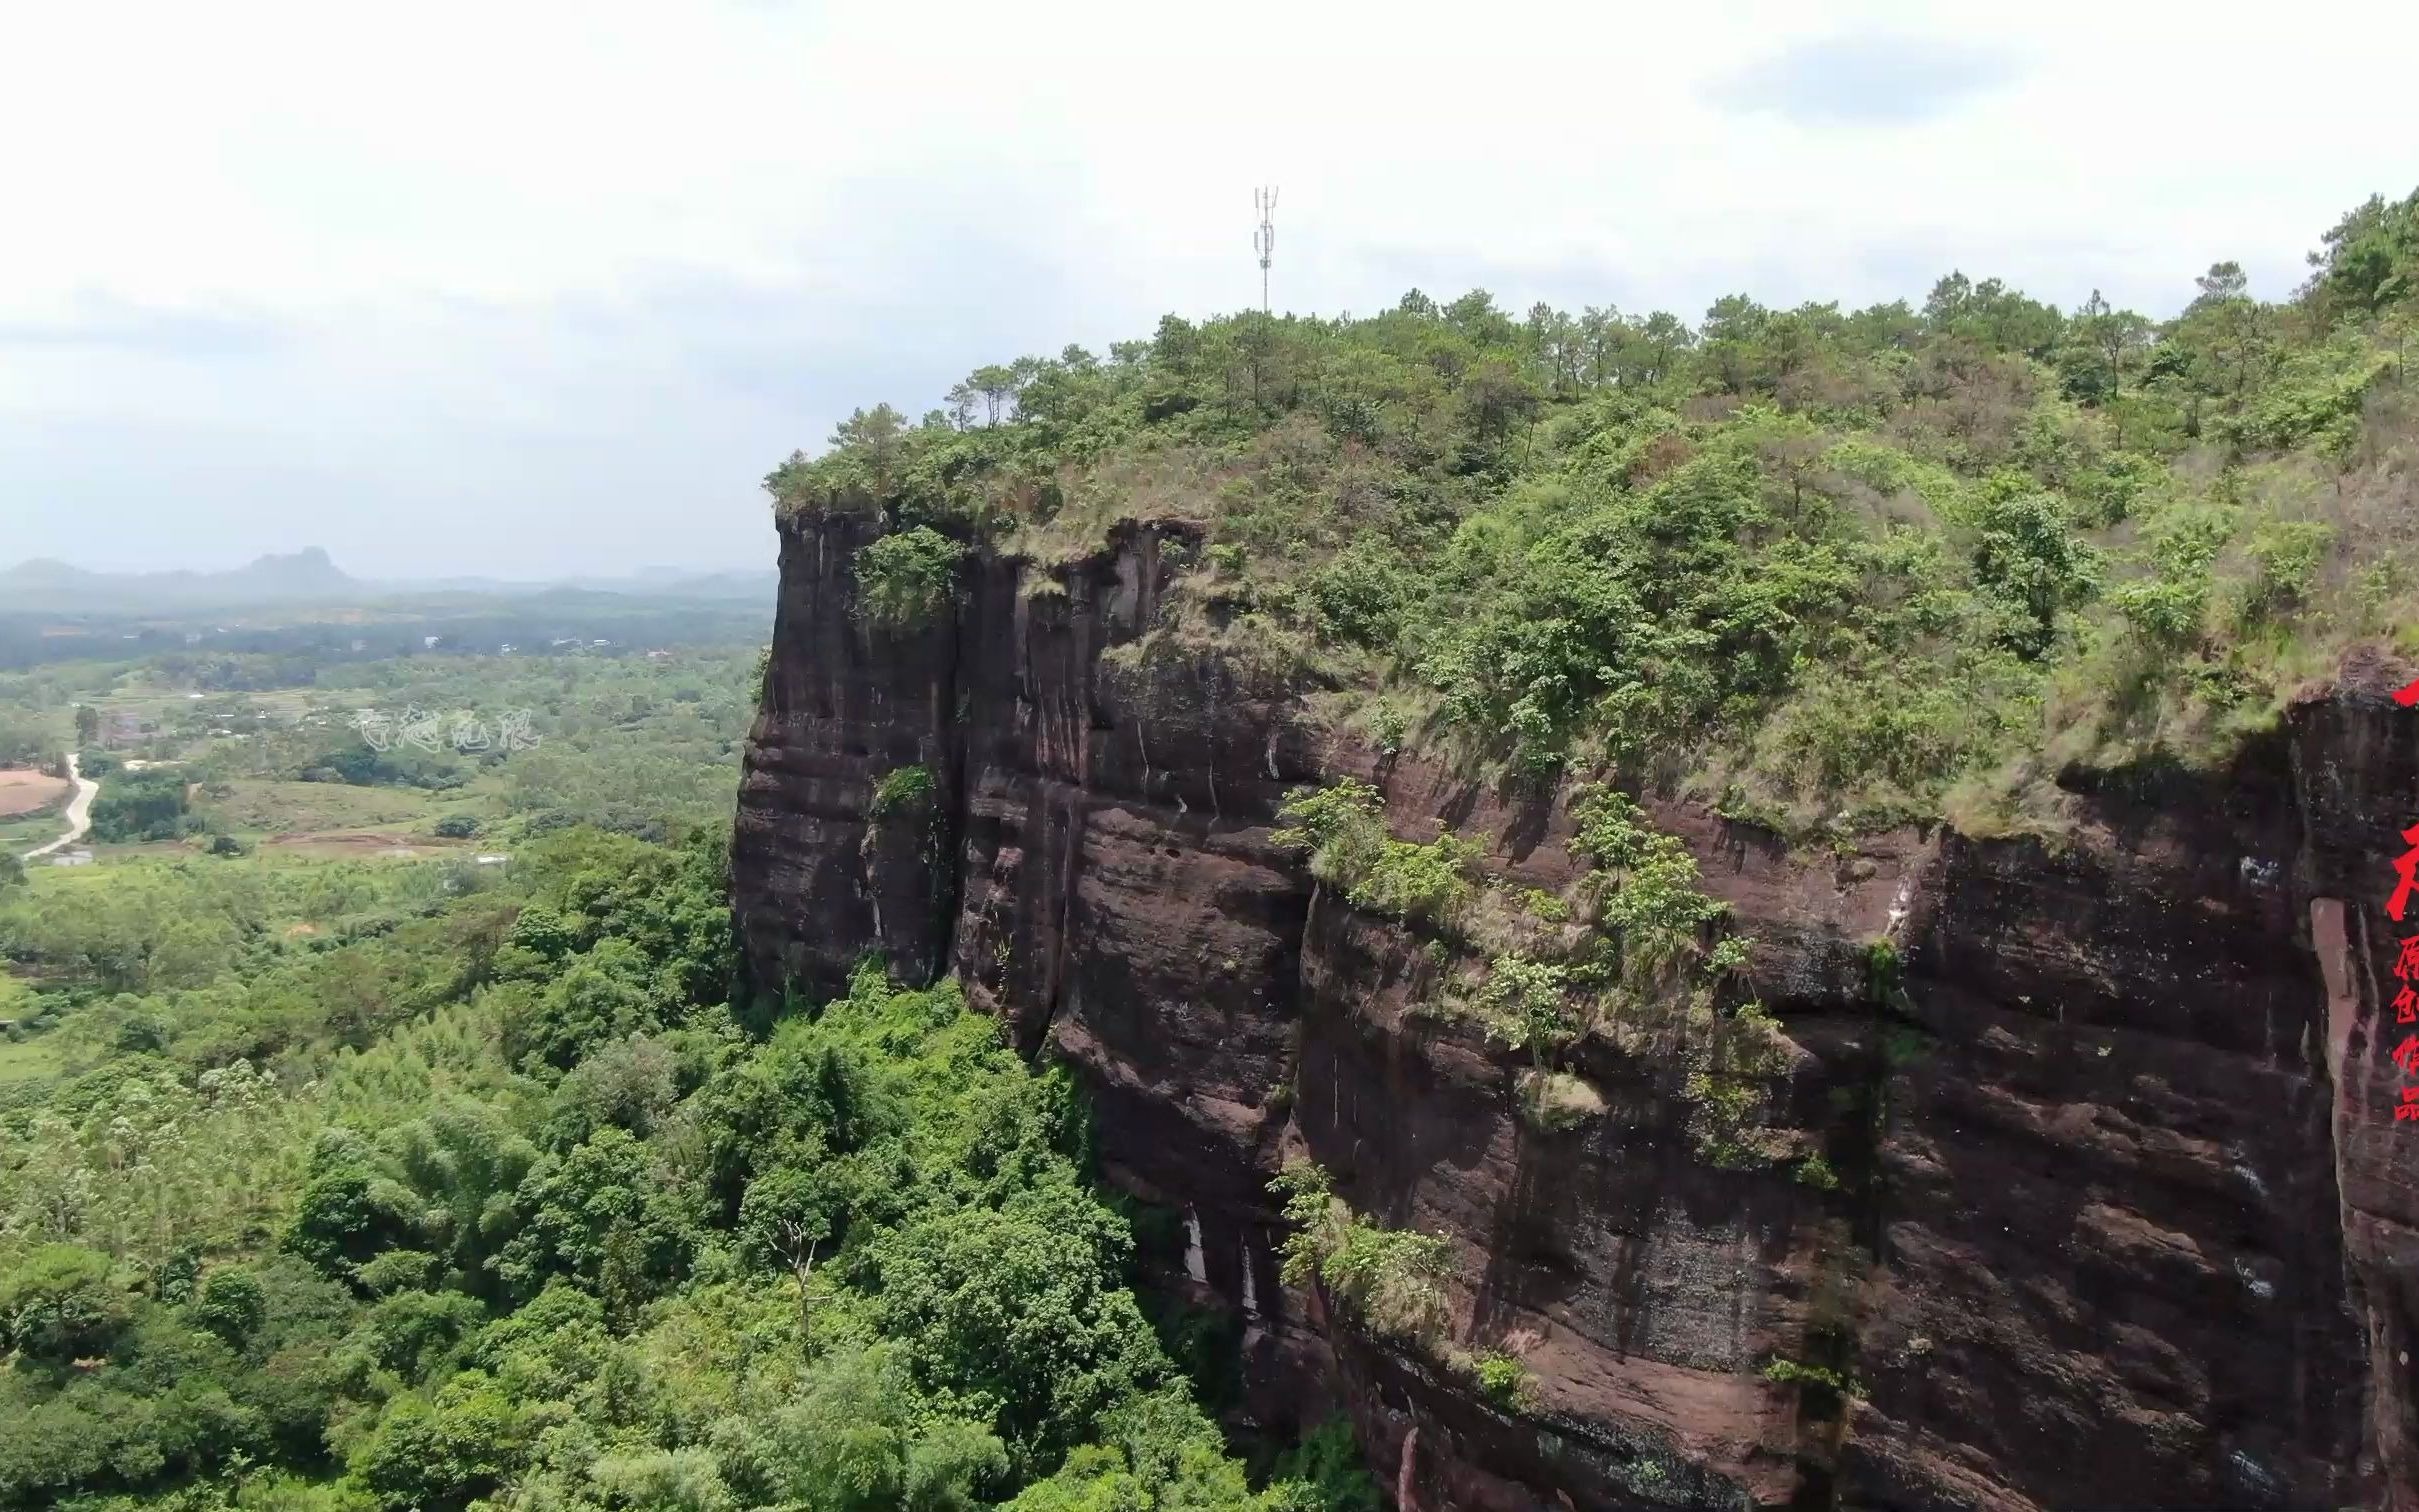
1645	886
908	579
1528	1006
1390	1280
1343	828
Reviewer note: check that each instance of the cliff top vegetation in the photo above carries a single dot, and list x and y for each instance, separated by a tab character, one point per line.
1828	569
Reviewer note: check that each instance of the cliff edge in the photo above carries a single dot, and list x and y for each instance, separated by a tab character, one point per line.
2111	1209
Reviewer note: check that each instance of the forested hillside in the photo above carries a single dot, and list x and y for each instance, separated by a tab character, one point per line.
376	1132
1828	569
475	1189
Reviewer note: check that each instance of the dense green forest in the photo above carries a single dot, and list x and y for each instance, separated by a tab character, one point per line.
475	1188
1826	569
333	1180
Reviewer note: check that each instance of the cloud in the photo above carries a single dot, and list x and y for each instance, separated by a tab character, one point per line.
1866	79
553	283
99	320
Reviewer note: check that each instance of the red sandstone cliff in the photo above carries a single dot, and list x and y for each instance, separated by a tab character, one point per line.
2122	1221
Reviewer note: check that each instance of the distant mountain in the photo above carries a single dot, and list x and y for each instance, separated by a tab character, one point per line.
308	577
306	574
45	572
53	586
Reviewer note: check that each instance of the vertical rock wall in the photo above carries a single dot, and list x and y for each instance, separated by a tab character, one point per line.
2122	1217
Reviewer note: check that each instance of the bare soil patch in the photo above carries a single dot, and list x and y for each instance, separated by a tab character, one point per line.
26	791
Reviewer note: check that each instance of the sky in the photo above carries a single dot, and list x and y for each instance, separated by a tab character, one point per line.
534	289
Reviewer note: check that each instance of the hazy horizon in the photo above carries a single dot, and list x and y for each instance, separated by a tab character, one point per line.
553	303
214	566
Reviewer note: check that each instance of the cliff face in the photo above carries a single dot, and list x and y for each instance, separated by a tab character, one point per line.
2122	1216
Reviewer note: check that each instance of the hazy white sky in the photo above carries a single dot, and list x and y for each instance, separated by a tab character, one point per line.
535	288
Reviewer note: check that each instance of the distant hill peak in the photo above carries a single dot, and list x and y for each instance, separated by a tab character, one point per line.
47	583
312	564
49	586
45	570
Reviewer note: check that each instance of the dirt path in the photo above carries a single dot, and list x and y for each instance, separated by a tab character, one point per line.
79	811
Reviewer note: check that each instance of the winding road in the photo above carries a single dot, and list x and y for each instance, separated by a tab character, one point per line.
79	811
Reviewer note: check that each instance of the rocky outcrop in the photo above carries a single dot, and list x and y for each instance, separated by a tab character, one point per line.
2122	1217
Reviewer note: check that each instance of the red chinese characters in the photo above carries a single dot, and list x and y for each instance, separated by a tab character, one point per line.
2406	1011
2406	875
2406	961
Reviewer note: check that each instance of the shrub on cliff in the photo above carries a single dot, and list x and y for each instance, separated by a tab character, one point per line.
1553	1101
1527	1005
904	793
1343	828
1644	885
1390	1280
907	580
1731	1061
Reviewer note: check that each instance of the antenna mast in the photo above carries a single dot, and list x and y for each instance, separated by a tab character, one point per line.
1264	240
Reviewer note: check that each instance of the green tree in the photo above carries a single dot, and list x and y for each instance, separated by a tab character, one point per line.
599	998
2103	344
906	580
59	1303
1019	1314
788	1214
2027	552
2369	259
231	1305
138	806
347	1213
2220	346
875	438
440	1453
857	1441
997	385
598	1214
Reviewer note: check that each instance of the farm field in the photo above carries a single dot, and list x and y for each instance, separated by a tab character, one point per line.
24	792
239	832
26	831
258	808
